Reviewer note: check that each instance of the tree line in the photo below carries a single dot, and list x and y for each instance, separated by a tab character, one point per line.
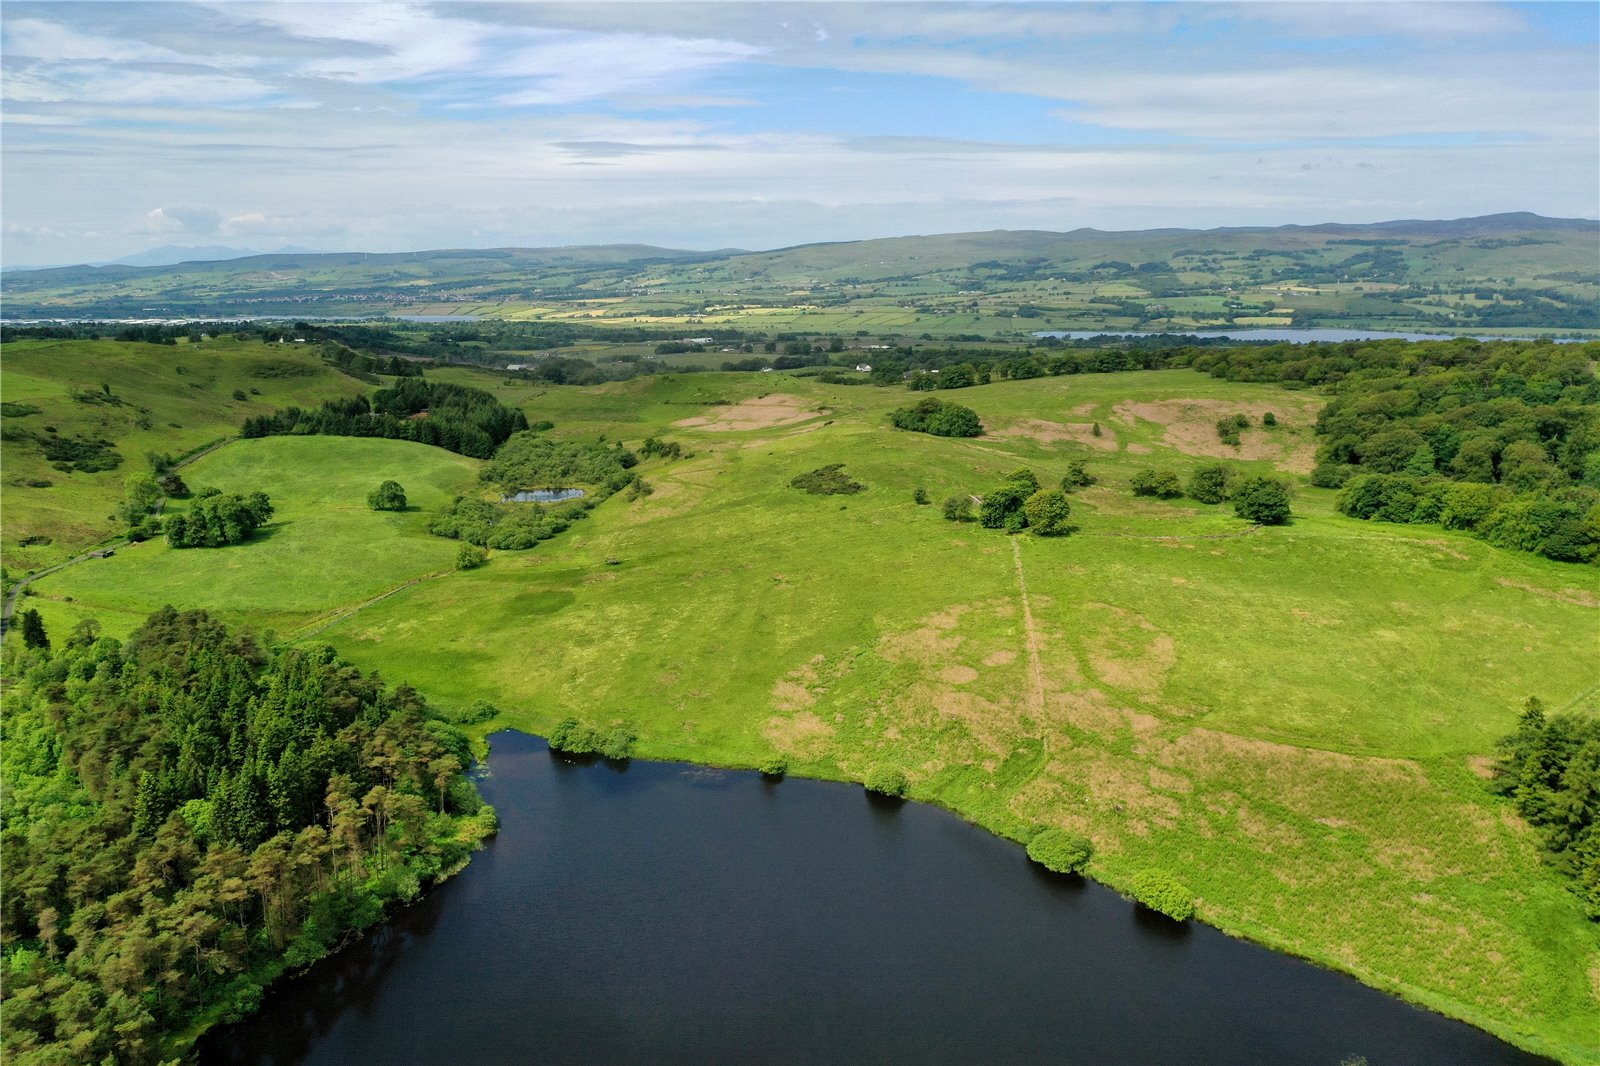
454	417
1500	439
190	813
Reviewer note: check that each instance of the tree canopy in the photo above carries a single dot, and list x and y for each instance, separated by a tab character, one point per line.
938	417
188	813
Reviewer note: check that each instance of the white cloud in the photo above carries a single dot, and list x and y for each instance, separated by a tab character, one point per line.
391	126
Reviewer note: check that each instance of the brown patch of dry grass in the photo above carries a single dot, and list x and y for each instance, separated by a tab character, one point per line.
803	735
778	409
1058	432
1576	597
1190	426
1129	653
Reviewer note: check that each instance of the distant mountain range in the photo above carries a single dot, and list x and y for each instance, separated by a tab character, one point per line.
173	254
1548	267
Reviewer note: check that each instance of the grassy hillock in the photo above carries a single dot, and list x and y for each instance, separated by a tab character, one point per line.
138	398
1296	722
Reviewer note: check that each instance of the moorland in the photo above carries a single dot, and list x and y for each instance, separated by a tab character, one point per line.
1299	722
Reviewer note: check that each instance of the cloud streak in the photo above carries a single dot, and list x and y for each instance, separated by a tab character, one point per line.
394	126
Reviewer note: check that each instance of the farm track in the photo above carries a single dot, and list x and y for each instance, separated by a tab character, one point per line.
340	615
1031	635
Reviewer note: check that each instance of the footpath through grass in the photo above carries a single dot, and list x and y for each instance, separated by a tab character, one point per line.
1295	721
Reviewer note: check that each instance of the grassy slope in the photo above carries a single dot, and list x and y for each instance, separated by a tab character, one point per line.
1289	719
323	549
185	409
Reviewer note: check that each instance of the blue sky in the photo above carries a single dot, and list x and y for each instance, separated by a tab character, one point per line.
397	125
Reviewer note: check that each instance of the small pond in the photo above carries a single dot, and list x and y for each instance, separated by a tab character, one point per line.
542	496
666	913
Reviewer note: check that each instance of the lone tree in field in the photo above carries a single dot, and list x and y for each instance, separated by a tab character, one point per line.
1048	513
33	634
1078	477
958	508
1263	500
390	496
1209	483
1060	851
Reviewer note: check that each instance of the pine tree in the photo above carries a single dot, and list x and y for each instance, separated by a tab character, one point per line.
33	634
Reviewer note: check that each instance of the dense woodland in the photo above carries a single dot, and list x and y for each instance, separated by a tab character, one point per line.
1551	767
454	417
1500	439
188	813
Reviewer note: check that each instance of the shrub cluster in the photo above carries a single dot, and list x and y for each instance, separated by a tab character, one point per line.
1160	891
887	781
573	736
1262	500
88	455
938	417
1060	851
1162	484
828	480
1228	429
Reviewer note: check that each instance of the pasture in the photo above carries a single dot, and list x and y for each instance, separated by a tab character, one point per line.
1297	721
170	399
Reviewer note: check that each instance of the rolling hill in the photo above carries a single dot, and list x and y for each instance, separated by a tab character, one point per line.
1507	271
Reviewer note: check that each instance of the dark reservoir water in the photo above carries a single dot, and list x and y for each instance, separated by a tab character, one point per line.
670	914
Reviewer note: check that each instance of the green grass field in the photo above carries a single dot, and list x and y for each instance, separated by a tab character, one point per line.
324	548
1296	721
166	399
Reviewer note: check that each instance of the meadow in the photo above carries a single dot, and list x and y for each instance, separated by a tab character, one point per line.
1297	721
143	398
